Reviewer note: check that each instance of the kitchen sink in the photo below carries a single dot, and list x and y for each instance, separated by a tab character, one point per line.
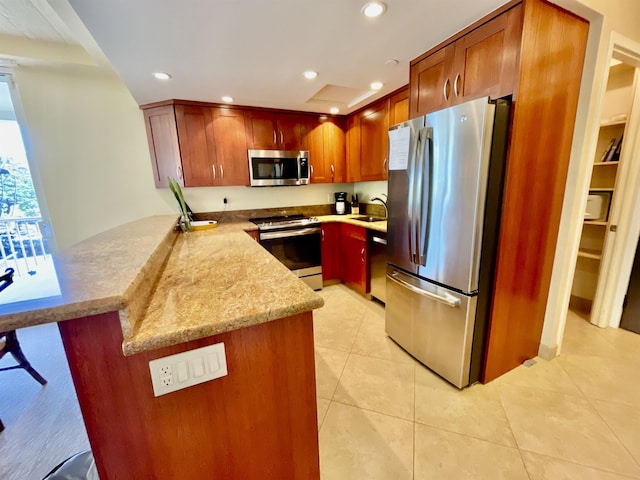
367	218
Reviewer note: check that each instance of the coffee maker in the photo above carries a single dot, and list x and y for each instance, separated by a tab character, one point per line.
341	203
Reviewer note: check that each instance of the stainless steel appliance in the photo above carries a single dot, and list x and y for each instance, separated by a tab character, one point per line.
341	203
273	168
378	258
295	241
445	187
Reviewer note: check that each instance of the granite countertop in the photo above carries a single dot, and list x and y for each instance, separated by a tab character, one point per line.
169	287
377	226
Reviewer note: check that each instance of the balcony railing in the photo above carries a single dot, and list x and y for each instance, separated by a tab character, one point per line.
23	246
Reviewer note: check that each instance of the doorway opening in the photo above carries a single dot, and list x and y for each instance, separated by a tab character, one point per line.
26	240
610	231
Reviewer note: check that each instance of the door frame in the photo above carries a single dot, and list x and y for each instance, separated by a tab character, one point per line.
618	255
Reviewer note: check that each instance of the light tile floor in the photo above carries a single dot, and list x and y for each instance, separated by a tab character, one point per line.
382	415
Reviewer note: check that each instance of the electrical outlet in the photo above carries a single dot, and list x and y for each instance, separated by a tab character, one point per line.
191	367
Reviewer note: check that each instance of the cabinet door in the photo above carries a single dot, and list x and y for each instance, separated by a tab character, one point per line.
334	149
197	147
261	130
231	146
315	141
399	107
486	58
355	257
330	251
374	142
163	145
353	149
291	132
430	82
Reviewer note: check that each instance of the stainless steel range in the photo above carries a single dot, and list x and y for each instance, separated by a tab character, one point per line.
295	241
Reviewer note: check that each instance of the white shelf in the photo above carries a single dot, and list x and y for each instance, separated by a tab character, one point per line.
617	120
596	222
600	189
616	162
592	254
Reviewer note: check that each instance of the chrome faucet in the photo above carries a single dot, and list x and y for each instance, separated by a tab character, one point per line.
384	203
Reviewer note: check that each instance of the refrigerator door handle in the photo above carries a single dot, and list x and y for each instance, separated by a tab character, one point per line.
423	194
413	191
449	300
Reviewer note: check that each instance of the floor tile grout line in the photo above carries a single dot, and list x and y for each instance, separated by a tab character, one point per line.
442	429
565	460
372	411
623	444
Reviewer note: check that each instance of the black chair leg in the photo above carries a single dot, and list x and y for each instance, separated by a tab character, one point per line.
13	347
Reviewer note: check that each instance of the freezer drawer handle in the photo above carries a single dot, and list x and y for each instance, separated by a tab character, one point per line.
448	300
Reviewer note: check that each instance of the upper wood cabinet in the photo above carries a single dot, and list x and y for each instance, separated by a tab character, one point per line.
481	63
197	145
327	156
399	107
367	143
276	131
231	146
163	144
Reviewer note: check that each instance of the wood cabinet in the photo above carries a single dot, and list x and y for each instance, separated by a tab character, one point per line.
399	107
355	257
367	143
163	145
330	249
280	131
480	63
197	145
327	154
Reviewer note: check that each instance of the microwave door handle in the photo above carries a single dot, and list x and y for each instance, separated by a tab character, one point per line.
425	204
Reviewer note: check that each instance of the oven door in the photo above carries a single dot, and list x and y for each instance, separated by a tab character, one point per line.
299	250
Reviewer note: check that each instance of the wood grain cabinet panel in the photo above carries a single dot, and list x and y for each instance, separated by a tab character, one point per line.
162	136
374	142
197	147
231	146
331	254
355	257
430	83
482	62
486	58
399	107
268	131
327	155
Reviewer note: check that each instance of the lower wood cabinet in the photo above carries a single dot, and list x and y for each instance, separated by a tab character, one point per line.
355	257
330	250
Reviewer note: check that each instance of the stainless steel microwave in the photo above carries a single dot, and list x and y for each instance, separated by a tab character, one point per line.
271	168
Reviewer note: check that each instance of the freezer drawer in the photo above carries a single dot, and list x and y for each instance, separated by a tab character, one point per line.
432	323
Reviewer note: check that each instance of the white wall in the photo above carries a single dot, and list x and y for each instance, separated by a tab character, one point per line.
86	137
606	16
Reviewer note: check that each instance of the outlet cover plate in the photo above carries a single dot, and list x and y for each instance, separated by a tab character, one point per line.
202	364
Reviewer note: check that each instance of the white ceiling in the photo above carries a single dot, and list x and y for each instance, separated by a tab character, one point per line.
254	50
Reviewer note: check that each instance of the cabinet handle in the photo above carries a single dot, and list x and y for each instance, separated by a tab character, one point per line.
362	255
322	233
213	167
311	166
179	172
445	88
455	85
384	165
281	138
221	172
275	140
333	170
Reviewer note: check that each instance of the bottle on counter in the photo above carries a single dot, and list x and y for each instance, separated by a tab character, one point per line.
355	206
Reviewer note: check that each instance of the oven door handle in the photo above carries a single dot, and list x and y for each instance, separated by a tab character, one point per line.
289	233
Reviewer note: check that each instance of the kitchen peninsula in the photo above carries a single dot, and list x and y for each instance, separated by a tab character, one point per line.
144	291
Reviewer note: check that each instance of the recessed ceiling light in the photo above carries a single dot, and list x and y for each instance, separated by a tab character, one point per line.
227	99
373	9
162	76
310	74
391	61
334	110
376	85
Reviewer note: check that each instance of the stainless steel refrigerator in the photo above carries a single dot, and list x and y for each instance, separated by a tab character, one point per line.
446	174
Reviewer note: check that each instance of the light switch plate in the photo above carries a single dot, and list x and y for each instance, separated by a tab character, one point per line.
186	369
